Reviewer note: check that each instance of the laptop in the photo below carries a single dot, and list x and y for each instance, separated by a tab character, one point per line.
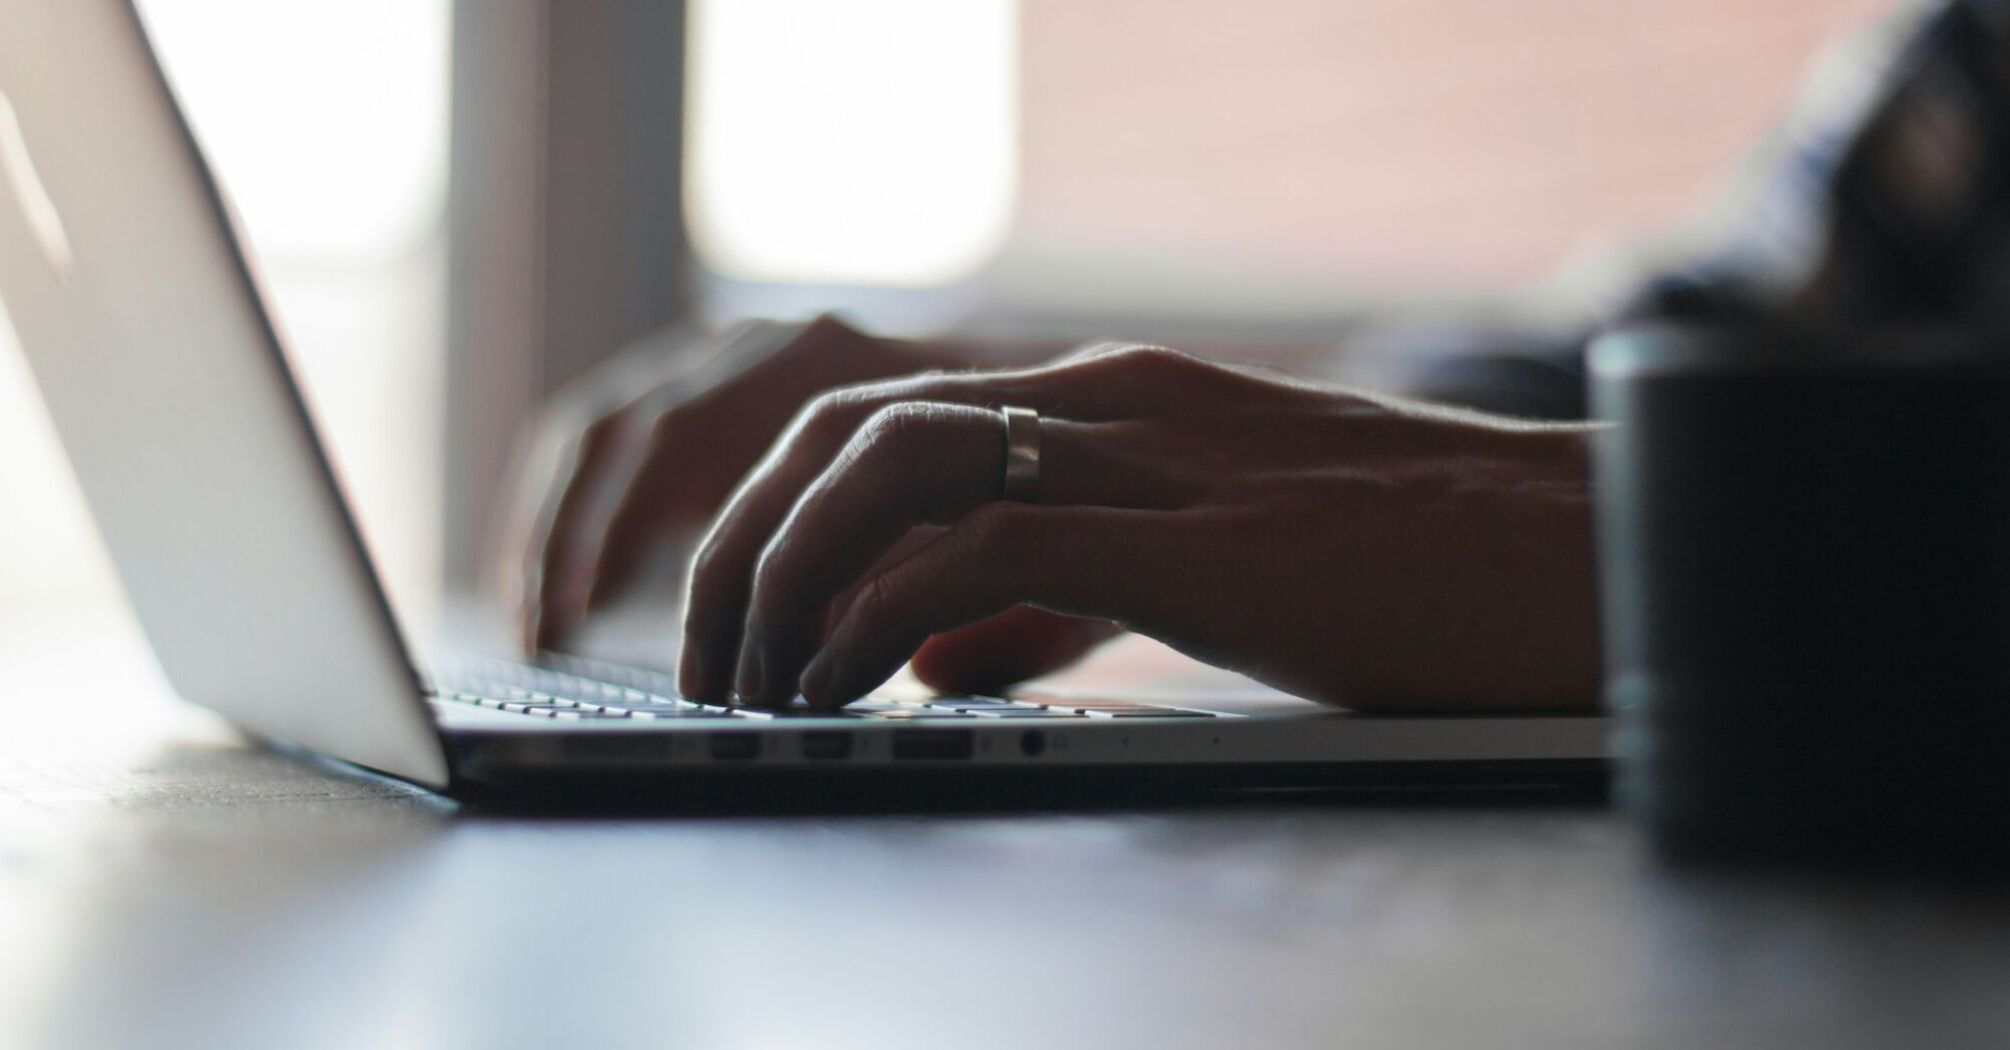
169	386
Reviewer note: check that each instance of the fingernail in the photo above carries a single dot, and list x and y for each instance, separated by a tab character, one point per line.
817	679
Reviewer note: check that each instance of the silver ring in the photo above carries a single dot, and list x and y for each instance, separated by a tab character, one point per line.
1022	453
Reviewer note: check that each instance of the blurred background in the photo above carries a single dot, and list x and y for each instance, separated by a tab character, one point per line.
458	206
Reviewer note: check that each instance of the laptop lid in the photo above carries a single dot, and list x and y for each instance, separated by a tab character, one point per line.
168	385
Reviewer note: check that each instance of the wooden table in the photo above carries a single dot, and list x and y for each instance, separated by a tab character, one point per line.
164	884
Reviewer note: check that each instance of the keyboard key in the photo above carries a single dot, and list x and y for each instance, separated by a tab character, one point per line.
585	689
969	703
1020	712
1147	712
914	714
1092	706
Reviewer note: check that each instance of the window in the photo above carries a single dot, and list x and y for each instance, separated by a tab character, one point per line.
864	142
1102	163
327	123
1183	154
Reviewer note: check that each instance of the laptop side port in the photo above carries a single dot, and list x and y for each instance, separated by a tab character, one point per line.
934	743
615	747
827	744
735	747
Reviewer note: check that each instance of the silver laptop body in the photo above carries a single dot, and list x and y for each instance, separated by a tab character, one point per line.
169	385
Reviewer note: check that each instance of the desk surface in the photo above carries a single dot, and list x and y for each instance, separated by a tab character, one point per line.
163	883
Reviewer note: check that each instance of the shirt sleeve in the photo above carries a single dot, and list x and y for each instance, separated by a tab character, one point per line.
1883	199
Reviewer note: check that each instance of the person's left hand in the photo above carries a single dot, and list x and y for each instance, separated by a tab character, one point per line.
1361	552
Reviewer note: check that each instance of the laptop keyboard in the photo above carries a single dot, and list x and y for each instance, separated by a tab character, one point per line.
574	690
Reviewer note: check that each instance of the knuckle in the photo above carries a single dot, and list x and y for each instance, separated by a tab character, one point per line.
663	427
1164	361
600	430
707	565
829	403
1137	363
817	413
834	412
904	454
607	436
573	408
826	326
1144	357
897	428
1092	350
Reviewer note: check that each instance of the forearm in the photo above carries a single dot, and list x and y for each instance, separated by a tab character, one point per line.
1400	348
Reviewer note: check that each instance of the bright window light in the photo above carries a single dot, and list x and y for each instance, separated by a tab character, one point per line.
864	142
327	120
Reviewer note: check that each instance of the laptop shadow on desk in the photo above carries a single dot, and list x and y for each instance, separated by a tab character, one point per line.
852	792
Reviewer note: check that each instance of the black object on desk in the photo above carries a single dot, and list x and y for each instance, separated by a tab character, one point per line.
1806	569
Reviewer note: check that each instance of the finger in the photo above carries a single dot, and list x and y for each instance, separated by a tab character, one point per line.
621	398
1020	643
566	449
545	610
1084	561
1112	386
532	475
664	484
696	435
912	464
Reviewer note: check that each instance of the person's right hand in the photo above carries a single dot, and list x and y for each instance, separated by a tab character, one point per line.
1358	550
640	454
